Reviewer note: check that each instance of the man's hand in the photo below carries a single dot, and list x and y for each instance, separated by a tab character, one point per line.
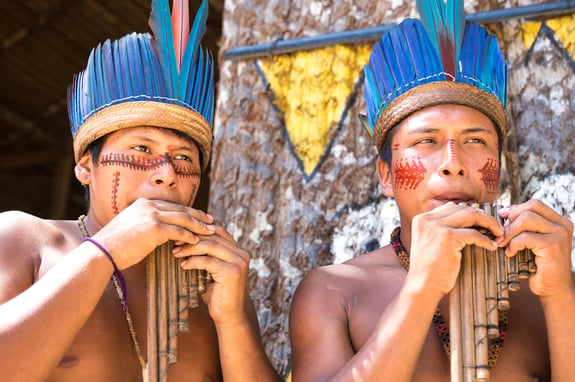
536	226
145	224
222	257
439	236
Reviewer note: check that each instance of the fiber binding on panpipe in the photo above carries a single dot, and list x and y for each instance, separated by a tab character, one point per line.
482	288
171	292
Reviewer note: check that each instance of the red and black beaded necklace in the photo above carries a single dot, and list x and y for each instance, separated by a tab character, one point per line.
495	344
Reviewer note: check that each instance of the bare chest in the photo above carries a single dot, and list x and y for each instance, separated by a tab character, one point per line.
524	355
104	351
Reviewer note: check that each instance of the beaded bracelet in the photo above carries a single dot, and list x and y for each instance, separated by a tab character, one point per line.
117	274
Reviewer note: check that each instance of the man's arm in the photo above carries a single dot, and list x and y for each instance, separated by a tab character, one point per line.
319	322
39	321
560	321
242	355
41	314
321	342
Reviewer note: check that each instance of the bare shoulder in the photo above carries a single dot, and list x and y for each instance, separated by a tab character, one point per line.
18	229
327	304
336	285
24	241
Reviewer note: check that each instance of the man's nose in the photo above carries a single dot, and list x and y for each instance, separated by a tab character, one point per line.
451	164
164	174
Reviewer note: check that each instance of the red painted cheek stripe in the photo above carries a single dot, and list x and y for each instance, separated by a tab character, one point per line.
115	189
408	175
490	176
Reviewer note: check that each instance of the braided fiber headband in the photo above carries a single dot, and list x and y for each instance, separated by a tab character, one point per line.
145	114
439	93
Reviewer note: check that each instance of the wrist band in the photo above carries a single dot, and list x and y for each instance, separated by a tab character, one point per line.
117	274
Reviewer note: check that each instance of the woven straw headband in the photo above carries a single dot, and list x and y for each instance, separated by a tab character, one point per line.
145	114
439	93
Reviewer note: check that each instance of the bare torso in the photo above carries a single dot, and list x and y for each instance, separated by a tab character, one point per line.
103	349
372	281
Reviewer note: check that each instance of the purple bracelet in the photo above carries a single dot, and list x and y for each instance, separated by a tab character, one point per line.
117	274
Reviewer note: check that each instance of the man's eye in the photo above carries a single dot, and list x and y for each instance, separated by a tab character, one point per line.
475	140
182	157
141	148
424	141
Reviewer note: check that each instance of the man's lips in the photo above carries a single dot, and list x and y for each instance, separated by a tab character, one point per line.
453	197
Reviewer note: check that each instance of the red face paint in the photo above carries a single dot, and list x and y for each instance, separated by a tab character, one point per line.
490	176
115	188
395	146
451	149
408	175
138	163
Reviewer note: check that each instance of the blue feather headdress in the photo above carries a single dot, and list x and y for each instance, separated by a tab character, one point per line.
442	59
165	80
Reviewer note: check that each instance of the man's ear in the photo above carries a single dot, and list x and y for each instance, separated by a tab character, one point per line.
83	169
385	181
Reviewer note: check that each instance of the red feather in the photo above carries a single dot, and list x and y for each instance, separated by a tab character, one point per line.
181	28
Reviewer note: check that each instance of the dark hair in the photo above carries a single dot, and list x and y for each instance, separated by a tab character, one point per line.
385	153
94	149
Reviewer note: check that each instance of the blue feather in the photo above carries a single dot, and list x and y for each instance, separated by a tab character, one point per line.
455	24
383	80
406	72
92	84
204	79
372	96
434	17
489	58
145	57
365	124
125	67
105	80
210	96
191	54
431	63
163	42
432	13
136	73
108	62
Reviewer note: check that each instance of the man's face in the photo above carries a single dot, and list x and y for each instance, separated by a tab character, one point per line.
146	162
440	154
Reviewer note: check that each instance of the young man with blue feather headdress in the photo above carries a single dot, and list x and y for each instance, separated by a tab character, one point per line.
141	115
436	93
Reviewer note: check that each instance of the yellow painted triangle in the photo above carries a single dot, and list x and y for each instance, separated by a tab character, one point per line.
310	90
564	28
529	32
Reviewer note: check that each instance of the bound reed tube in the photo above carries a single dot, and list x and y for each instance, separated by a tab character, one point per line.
171	292
482	288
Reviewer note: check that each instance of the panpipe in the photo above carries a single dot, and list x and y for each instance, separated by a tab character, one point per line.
481	290
172	290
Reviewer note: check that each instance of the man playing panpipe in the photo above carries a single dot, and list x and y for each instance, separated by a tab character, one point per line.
436	93
141	116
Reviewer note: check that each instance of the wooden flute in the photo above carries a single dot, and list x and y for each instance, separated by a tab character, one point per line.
172	290
480	293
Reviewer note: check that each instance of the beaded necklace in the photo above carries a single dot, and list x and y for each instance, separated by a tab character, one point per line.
495	344
122	293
